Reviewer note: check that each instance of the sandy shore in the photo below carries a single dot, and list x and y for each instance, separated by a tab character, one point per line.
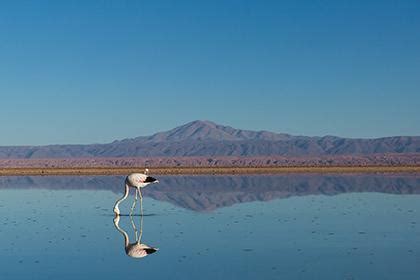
205	170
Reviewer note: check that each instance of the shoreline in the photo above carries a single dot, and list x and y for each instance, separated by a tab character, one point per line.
85	171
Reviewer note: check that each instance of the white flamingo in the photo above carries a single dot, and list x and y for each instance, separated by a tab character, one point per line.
136	181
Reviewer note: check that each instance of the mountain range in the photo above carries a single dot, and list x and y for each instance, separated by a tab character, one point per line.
206	138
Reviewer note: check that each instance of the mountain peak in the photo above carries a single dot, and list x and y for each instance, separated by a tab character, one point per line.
209	131
200	123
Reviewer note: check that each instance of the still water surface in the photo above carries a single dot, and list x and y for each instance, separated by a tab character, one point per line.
213	227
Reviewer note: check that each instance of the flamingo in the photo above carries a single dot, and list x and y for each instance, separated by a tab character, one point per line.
136	181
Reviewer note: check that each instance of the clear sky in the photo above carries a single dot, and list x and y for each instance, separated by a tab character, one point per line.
96	71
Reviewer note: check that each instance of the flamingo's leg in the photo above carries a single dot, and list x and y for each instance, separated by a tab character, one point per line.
134	226
141	202
134	204
141	215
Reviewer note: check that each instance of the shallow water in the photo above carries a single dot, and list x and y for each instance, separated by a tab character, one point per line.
213	227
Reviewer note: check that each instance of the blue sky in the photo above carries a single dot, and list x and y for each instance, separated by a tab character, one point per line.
95	71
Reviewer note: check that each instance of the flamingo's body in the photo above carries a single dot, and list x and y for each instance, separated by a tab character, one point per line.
139	180
135	181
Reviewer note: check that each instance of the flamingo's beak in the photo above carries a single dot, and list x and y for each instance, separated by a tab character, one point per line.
116	212
157	181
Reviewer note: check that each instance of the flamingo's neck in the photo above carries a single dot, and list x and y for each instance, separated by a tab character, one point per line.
127	190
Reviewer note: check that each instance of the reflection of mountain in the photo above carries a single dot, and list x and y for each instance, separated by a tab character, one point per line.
205	193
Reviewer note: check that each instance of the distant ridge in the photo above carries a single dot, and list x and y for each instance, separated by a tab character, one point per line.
210	131
206	138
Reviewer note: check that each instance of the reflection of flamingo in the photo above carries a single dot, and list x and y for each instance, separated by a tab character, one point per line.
137	181
136	249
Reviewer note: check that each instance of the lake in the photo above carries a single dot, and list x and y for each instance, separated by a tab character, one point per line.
213	227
